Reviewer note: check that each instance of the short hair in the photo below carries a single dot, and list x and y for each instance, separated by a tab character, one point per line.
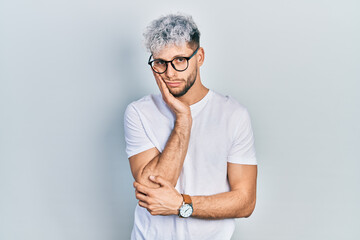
172	29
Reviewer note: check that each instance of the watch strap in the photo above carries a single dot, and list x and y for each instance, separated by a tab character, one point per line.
187	199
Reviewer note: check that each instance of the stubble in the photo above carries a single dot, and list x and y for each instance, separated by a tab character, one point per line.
189	83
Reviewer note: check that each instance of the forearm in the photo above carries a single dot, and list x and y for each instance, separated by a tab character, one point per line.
233	204
168	164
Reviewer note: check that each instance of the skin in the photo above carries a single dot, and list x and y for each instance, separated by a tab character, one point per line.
156	173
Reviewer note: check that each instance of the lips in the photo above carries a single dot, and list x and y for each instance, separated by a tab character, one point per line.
173	84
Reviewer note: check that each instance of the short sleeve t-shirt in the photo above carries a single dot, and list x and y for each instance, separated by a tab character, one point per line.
221	132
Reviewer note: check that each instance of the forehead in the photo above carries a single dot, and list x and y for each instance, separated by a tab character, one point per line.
170	51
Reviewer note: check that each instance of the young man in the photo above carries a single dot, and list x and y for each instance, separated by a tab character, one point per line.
191	150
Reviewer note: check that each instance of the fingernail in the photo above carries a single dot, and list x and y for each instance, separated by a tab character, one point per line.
152	177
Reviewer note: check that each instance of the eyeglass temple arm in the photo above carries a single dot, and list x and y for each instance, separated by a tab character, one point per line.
194	52
149	59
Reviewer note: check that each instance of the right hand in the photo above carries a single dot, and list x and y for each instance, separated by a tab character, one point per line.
179	108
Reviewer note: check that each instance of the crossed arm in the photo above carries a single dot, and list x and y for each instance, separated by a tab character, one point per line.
238	202
156	175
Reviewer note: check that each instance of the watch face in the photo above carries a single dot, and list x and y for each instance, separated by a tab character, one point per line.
186	210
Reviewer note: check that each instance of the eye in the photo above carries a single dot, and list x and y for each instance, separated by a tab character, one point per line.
180	60
159	62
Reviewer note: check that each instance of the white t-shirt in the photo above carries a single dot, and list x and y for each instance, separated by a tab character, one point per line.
221	132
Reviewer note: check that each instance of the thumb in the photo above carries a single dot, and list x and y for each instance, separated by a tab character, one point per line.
158	179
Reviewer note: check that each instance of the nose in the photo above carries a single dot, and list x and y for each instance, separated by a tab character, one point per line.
170	71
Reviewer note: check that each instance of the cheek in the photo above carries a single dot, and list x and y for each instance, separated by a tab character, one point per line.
192	74
192	70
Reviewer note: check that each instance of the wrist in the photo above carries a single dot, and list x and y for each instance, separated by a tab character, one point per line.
178	203
183	120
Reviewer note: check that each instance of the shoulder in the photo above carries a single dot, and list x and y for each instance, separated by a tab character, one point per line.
142	102
228	103
147	102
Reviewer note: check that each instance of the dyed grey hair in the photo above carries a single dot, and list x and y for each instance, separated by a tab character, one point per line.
172	29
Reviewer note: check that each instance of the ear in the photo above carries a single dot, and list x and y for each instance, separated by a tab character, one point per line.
201	56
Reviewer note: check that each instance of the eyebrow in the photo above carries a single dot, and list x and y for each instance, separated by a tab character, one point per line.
178	55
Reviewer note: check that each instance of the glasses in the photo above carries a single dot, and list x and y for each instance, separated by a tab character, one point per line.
180	64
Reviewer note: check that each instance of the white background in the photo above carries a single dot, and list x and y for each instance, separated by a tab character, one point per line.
69	68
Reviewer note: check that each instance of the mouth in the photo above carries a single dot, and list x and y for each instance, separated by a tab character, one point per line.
173	84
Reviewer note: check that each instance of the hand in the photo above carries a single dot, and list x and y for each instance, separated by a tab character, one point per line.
178	107
164	200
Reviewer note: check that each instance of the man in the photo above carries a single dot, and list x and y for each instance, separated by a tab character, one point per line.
191	150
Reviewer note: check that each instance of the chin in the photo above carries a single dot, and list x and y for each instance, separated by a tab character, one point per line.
177	94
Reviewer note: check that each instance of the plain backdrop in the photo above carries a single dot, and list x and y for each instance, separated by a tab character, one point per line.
68	69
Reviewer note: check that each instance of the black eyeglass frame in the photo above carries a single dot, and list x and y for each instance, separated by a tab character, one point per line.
171	62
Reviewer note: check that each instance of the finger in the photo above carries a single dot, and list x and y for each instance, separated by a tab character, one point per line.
160	180
166	90
136	192
141	188
143	204
160	84
142	197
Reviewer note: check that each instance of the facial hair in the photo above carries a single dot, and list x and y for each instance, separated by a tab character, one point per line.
189	83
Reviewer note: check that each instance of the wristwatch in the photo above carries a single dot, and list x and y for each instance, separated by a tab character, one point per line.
186	209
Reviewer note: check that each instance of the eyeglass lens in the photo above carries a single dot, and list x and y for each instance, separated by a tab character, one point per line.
179	64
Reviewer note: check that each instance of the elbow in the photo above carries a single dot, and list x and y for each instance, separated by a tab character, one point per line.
247	211
142	180
145	180
144	174
250	209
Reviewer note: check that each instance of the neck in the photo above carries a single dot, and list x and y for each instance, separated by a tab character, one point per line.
197	92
